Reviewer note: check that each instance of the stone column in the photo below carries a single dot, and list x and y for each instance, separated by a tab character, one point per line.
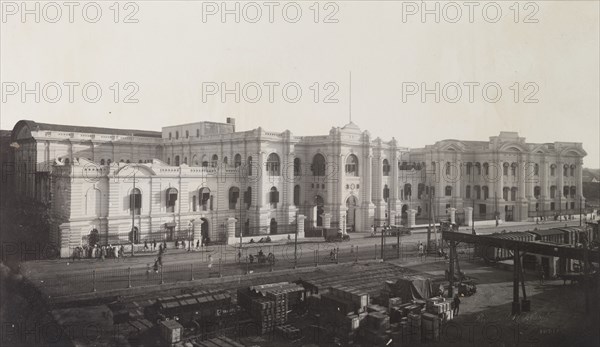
300	226
259	174
411	217
313	216
469	216
231	239
326	220
452	215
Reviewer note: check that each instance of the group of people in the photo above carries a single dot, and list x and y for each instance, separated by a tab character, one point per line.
99	252
151	246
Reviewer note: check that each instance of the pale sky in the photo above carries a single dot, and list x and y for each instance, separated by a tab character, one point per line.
170	53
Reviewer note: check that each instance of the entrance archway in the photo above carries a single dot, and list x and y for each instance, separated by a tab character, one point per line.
205	231
94	237
351	204
135	235
320	209
273	226
404	213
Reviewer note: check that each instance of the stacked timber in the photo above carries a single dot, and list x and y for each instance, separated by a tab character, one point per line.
430	327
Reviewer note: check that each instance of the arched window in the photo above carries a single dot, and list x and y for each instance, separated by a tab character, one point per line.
536	169
205	200
573	191
552	192
537	191
505	192
433	167
205	163
248	197
215	160
386	193
552	170
477	192
185	160
352	165
197	132
273	167
170	136
572	170
194	203
407	191
478	168
168	161
566	170
448	191
273	197
513	169
237	160
177	160
486	169
225	161
187	134
176	135
420	190
171	199
486	192
249	166
513	193
505	169
297	167
386	167
101	161
469	166
135	202
468	192
565	191
448	168
318	165
234	194
297	195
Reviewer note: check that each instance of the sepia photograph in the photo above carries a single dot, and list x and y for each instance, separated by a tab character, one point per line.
304	173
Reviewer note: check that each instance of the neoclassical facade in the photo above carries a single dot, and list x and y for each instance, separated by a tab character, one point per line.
207	179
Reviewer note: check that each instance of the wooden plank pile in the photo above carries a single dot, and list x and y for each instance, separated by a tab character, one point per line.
267	304
219	341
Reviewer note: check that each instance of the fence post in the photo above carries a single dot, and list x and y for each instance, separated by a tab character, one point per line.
94	280
375	247
191	271
161	275
129	277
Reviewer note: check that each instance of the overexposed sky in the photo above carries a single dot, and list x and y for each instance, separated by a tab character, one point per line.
177	49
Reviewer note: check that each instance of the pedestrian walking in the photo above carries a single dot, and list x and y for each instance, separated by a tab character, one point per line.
164	246
239	256
122	252
156	265
154	245
372	230
456	304
197	244
145	245
210	261
542	274
116	254
421	250
103	253
176	244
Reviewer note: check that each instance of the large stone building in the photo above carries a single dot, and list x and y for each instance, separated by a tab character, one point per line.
205	179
